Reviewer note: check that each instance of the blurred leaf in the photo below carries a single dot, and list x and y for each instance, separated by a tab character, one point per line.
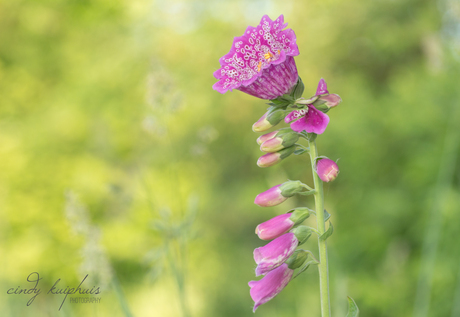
353	310
328	232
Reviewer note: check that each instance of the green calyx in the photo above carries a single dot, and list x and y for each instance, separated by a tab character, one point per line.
289	139
298	89
297	259
286	152
290	188
275	117
285	100
302	233
299	215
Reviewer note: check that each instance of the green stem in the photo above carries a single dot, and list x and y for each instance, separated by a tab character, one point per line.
121	296
323	267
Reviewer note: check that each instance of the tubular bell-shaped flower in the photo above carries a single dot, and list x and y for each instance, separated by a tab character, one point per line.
279	225
270	285
276	252
260	62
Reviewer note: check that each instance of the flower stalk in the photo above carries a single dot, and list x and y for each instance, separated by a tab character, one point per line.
321	227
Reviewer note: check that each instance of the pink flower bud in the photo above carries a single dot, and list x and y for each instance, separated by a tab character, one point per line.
271	197
277	194
281	141
270	285
331	100
262	124
268	159
271	159
275	227
266	137
275	253
327	169
281	224
268	120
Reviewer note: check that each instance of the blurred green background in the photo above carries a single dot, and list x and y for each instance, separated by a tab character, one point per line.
118	160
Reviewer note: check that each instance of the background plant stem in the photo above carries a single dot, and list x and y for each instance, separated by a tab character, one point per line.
323	266
434	225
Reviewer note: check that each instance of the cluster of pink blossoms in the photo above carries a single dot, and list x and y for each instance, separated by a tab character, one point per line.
261	63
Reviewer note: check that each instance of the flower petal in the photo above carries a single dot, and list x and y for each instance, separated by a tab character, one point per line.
322	88
295	114
270	285
314	121
275	253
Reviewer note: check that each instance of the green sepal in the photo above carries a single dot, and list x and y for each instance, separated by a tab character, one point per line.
299	215
282	101
290	188
298	89
302	233
307	193
300	151
304	268
288	138
311	137
321	106
283	131
328	232
274	117
353	310
286	152
318	102
297	259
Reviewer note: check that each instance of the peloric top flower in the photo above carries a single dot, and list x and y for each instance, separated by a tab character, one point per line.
260	62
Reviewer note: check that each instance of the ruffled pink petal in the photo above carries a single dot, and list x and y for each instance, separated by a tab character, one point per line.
314	121
260	48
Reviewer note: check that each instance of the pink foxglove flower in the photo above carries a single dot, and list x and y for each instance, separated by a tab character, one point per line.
279	250
271	159
275	227
279	225
277	194
281	141
327	169
266	137
275	253
260	62
270	285
311	119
